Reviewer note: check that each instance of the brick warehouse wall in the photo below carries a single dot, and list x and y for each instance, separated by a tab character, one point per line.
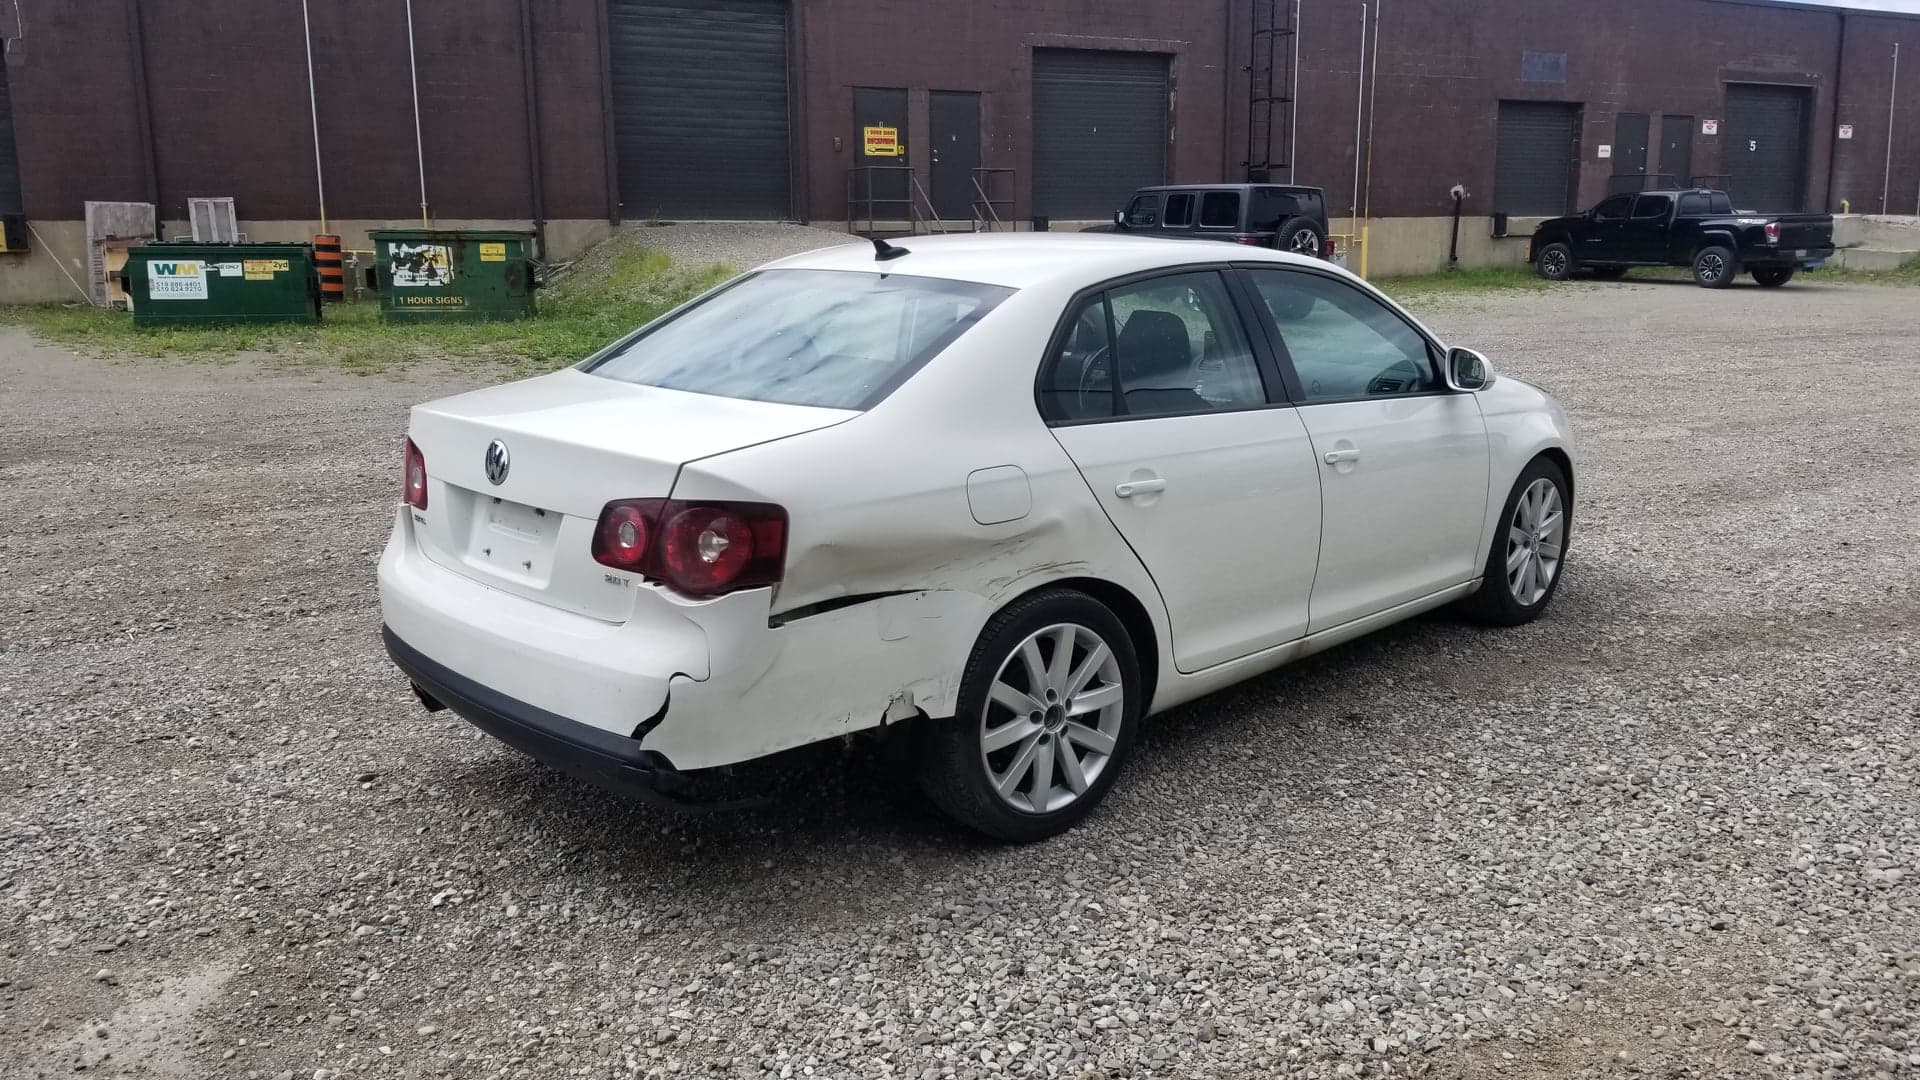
228	97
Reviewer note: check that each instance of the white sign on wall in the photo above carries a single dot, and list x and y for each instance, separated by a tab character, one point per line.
1709	127
1606	151
1846	131
176	279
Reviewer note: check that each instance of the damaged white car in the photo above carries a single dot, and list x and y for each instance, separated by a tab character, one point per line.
1019	490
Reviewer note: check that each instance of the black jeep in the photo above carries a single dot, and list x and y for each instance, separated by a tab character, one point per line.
1259	215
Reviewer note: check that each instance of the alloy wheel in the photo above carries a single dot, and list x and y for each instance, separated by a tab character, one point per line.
1712	266
1052	718
1305	242
1536	536
1554	262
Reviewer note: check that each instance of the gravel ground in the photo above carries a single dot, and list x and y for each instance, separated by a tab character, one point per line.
1672	830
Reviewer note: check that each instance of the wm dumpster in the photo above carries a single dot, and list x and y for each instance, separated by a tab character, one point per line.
430	275
195	284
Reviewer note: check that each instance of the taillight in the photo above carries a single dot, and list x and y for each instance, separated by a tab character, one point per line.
1773	232
414	487
697	548
1250	241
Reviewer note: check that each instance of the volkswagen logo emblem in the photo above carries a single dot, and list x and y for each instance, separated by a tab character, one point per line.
497	462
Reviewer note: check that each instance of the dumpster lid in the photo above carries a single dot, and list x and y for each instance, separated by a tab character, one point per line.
450	235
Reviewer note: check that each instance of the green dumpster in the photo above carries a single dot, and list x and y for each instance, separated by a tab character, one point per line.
185	283
429	275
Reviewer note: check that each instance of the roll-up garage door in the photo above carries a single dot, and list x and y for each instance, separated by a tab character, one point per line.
1534	158
1763	146
1099	130
700	107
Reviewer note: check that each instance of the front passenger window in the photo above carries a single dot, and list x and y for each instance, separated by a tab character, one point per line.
1343	343
1145	212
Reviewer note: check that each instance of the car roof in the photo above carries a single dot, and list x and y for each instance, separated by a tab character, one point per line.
1023	260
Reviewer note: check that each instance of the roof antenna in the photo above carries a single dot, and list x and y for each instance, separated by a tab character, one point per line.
882	251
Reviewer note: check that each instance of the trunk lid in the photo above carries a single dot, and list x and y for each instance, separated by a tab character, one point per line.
573	442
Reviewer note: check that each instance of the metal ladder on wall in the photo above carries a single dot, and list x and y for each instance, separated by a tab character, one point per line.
1270	91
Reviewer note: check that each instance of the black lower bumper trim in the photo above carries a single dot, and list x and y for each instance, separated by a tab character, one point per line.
605	758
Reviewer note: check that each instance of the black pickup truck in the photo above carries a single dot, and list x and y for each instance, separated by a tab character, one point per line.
1694	227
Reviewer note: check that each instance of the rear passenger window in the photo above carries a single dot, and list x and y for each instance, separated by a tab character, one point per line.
1174	345
1651	207
1179	213
1694	204
1220	210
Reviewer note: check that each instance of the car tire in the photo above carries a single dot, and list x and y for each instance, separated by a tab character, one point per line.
1301	236
1773	277
1509	593
1609	273
1554	262
1715	267
983	768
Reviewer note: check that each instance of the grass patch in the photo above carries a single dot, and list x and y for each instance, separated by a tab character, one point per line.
1479	279
1907	273
612	289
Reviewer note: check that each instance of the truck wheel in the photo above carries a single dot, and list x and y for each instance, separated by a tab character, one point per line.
1302	237
1774	276
1554	262
1048	705
1714	268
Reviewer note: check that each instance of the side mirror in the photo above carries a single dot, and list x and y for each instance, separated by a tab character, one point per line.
1120	218
1468	370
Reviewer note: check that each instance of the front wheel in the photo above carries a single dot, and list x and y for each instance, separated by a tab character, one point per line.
1773	276
1301	237
1529	548
1047	710
1714	268
1554	262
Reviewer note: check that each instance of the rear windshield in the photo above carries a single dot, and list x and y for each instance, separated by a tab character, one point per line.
836	339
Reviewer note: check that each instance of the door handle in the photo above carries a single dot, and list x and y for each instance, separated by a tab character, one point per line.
1335	457
1127	489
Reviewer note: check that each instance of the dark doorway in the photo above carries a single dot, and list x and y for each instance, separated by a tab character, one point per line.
700	107
1763	146
953	118
880	152
1629	151
1676	150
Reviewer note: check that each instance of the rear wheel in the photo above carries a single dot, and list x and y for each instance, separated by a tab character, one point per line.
1714	267
1529	548
1773	276
1300	236
1554	262
1047	711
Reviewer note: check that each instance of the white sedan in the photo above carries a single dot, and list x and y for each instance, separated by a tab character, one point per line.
1001	495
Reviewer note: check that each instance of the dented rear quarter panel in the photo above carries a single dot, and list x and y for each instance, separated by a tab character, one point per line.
879	511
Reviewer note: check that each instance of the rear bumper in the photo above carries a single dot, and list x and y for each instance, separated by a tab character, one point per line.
600	757
1785	256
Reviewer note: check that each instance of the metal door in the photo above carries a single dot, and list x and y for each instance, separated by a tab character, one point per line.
1099	130
700	107
1629	151
1763	146
1534	157
954	120
1676	150
880	153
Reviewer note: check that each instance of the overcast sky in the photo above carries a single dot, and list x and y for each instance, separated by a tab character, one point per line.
1878	5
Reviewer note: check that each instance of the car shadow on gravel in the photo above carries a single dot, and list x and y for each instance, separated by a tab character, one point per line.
837	812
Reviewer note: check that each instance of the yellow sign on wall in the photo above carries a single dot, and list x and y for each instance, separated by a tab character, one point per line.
493	253
882	141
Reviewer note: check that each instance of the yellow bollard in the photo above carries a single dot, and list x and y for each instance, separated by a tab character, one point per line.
1364	249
